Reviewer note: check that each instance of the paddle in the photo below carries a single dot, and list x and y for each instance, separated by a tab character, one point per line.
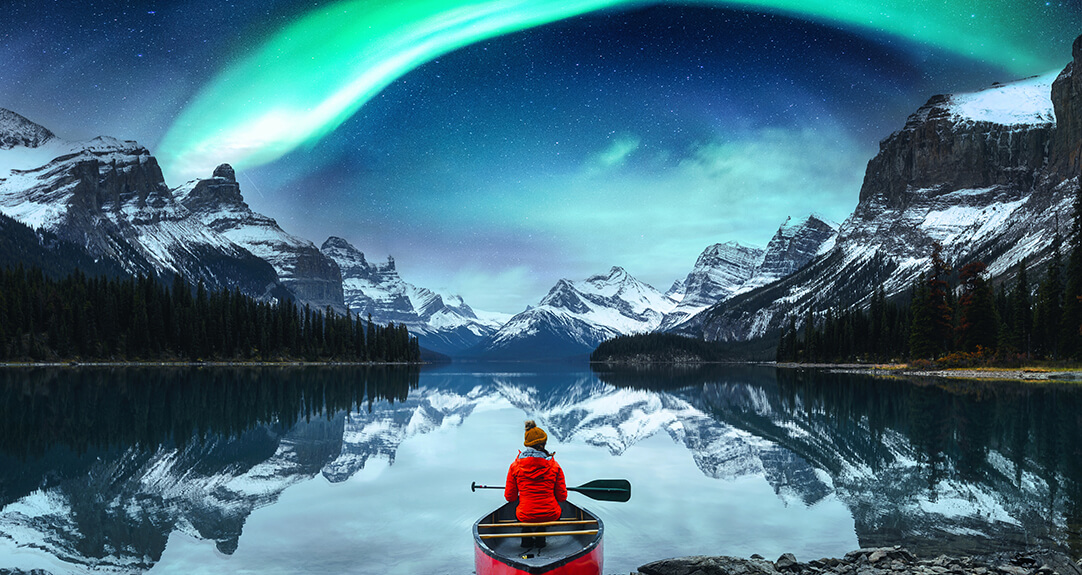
601	489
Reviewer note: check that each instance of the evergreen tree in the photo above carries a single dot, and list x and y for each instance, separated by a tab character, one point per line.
1021	312
877	337
940	300
922	340
1070	337
811	349
370	341
977	326
1048	311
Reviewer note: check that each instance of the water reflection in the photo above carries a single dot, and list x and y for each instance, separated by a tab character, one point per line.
130	469
941	466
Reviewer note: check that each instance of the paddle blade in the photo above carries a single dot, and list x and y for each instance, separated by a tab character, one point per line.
618	490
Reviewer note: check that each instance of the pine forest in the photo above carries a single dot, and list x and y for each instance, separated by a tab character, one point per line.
139	319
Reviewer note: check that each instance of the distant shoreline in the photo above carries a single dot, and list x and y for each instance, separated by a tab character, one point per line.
1028	373
987	373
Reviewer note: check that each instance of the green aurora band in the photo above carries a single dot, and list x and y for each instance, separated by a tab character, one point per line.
311	76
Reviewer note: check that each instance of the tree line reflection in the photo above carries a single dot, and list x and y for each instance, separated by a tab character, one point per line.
99	408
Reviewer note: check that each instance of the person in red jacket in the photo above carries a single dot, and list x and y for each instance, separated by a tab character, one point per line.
536	481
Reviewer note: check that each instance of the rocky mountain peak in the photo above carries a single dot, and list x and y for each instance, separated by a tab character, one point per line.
334	243
225	172
374	289
726	269
15	130
219	192
350	260
564	296
312	277
792	247
676	291
732	252
616	275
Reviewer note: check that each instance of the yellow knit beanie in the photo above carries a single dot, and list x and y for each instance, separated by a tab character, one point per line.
534	434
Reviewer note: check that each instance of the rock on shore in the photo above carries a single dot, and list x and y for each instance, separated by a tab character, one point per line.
882	561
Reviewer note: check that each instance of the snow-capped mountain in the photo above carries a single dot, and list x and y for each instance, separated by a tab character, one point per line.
443	324
17	131
724	270
988	175
719	271
109	197
217	202
791	248
575	316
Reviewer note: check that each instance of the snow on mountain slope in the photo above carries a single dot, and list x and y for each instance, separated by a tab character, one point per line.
725	270
719	271
17	131
217	202
443	324
577	315
1025	101
791	248
109	196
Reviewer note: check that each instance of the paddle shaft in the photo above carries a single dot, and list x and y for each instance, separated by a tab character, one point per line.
588	489
621	492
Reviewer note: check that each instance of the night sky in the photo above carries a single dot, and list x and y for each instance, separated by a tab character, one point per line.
495	147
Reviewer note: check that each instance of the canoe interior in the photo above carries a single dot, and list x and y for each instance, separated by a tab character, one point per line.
558	551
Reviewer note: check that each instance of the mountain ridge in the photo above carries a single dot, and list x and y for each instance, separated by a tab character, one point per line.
372	289
983	190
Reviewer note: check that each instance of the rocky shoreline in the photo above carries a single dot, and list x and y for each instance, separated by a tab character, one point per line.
878	561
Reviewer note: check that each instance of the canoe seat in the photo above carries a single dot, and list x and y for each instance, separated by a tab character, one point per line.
542	524
537	533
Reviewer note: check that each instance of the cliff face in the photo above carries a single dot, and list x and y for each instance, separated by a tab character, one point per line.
951	144
1065	155
936	150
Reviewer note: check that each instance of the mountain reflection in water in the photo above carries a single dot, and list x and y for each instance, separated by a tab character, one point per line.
128	469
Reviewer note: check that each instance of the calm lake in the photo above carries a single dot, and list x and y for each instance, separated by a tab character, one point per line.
368	470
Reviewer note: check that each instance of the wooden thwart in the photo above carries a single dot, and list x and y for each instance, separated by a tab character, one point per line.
544	524
537	534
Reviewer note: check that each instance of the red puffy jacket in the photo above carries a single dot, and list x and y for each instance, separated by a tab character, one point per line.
537	482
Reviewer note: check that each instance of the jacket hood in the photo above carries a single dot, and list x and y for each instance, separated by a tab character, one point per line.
533	463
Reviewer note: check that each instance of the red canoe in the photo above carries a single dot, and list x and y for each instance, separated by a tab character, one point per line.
572	544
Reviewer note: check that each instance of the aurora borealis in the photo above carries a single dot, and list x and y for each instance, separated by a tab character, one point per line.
316	72
494	147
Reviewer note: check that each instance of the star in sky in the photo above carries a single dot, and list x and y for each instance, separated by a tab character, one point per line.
494	154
